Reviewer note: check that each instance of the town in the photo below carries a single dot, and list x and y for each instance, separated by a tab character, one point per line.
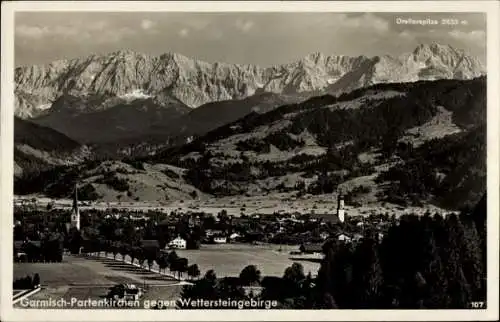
114	228
190	242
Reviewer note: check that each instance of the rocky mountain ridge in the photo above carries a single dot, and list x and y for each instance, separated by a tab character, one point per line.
129	75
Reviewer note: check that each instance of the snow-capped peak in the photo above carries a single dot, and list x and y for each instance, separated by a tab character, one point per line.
135	94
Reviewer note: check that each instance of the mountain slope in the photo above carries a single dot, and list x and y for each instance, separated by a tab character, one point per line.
194	82
112	181
326	142
37	147
93	119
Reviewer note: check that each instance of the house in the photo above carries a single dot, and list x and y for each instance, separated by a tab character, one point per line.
380	236
325	217
344	238
178	243
311	248
213	232
127	292
234	236
357	237
19	253
324	235
220	239
253	291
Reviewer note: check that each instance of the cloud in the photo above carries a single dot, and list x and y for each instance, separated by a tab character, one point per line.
31	31
115	34
216	34
184	32
82	30
146	24
350	22
40	32
365	21
476	36
244	25
405	34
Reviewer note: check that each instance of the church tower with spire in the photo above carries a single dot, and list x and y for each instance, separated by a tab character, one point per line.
75	213
340	207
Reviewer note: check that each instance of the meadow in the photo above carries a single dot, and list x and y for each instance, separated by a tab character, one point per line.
230	259
90	278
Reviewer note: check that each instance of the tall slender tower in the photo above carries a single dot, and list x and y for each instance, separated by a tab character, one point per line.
75	213
340	207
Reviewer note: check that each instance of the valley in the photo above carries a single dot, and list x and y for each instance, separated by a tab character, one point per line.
269	159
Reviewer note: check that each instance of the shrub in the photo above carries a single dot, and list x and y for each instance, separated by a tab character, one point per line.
88	192
111	180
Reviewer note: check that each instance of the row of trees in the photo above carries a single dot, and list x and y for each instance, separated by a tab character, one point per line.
144	255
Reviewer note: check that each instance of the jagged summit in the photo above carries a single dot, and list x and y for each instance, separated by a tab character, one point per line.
196	82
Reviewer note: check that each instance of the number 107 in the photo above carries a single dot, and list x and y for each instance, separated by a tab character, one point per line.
477	305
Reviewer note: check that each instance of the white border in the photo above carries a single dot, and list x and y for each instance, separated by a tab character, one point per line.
6	155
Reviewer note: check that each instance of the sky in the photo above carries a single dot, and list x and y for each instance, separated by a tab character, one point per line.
259	38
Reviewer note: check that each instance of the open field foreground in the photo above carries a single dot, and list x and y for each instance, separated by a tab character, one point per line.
230	259
80	278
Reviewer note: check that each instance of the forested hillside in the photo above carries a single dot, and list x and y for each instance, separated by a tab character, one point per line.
37	148
322	140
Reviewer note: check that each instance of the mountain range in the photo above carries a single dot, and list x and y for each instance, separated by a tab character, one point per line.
131	126
141	95
131	75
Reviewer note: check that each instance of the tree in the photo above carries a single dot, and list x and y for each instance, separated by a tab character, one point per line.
367	275
210	276
193	271
250	275
172	258
150	262
327	302
162	261
472	257
174	266
36	280
134	254
206	288
295	273
459	289
435	293
182	266
325	273
114	250
293	278
141	258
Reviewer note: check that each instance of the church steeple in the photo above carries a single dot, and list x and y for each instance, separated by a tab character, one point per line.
340	206
75	213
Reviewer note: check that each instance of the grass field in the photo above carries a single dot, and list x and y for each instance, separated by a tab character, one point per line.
89	278
230	259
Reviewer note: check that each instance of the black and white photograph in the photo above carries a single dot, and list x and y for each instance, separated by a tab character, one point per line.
240	159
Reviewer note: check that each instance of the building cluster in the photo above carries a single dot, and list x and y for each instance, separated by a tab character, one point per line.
191	229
